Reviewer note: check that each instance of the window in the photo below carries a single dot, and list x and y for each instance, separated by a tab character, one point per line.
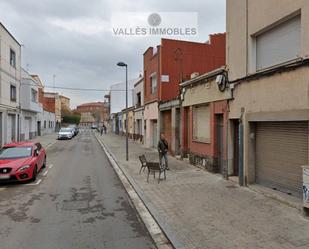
12	58
34	95
279	44
138	99
15	152
153	83
44	124
201	123
13	93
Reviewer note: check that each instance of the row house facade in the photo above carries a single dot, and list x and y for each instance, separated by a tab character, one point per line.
30	107
46	118
52	101
10	80
204	102
138	101
165	67
22	109
93	113
267	62
240	109
117	97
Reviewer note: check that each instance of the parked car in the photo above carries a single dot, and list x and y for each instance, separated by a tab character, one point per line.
21	161
94	126
75	129
65	133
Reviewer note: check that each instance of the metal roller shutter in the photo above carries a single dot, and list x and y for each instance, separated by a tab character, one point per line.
281	148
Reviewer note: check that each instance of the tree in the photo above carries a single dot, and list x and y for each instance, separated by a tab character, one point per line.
71	119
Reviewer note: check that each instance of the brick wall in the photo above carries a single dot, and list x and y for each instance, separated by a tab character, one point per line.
179	59
151	65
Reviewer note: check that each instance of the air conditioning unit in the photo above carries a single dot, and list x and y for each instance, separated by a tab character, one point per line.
194	75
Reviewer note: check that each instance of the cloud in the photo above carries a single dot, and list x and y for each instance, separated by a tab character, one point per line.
73	39
85	26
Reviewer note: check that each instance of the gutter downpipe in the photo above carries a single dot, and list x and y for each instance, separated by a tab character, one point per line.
241	149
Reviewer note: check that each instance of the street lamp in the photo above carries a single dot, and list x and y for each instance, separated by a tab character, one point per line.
122	64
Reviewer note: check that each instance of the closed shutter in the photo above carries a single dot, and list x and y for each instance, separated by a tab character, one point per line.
201	123
281	150
280	44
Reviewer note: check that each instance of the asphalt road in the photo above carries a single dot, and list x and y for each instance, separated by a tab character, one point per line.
77	202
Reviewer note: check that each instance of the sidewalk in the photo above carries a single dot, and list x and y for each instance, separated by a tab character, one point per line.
46	140
197	209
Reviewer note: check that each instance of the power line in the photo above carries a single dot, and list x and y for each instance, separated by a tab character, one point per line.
79	89
88	89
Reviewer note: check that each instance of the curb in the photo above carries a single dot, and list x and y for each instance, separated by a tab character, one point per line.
151	222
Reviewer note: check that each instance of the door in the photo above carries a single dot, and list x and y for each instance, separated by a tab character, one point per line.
27	128
39	128
281	150
154	133
219	141
11	128
235	147
177	131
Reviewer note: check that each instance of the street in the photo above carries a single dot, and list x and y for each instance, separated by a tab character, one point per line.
76	202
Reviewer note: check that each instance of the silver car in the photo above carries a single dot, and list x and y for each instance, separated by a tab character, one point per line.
65	133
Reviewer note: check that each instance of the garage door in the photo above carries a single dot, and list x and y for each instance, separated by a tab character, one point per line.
281	148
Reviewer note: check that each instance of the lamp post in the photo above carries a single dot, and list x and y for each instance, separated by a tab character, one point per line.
122	64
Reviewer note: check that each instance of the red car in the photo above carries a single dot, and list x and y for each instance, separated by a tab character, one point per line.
21	161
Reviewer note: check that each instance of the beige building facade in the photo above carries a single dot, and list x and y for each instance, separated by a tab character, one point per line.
267	62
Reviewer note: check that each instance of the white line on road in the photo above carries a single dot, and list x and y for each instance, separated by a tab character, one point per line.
50	144
50	166
36	183
1	189
45	173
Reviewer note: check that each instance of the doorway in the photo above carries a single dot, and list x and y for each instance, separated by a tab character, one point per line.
235	147
219	143
39	128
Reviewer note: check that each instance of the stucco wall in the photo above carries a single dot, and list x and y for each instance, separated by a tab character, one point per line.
150	114
280	92
9	74
262	14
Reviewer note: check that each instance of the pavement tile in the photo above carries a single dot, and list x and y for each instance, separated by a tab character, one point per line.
202	210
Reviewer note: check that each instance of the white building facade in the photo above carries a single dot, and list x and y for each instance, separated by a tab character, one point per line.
10	78
30	107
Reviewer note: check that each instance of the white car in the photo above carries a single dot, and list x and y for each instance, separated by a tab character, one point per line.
65	133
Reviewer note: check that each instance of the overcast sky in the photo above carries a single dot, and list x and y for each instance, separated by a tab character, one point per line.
73	38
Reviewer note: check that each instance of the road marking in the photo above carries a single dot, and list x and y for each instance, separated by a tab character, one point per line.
50	166
1	189
36	183
50	144
45	173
